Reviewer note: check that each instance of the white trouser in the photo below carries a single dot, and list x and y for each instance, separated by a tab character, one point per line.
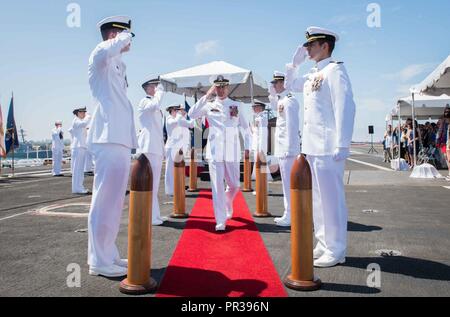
223	201
88	166
77	166
329	206
57	156
112	169
269	175
286	164
156	165
168	175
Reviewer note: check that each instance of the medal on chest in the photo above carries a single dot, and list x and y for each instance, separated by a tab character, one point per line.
234	111
317	82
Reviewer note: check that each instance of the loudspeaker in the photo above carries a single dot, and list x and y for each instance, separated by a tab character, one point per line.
371	131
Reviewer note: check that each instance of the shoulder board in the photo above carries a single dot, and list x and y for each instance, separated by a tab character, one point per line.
149	97
289	95
335	62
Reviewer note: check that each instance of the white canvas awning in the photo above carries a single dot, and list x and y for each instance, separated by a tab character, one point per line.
244	84
438	82
426	107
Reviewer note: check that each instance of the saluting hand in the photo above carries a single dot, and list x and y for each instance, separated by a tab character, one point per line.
211	92
300	56
272	91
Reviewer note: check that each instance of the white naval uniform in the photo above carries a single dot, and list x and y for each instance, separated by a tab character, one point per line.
151	141
88	166
79	150
111	137
259	130
223	150
57	150
176	140
328	125
287	142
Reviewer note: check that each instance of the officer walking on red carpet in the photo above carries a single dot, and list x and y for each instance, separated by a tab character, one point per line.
223	150
329	112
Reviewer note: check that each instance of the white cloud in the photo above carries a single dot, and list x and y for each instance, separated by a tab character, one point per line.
207	48
410	72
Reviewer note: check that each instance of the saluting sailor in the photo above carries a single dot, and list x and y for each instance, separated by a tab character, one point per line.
78	131
327	135
223	150
176	125
259	130
110	139
151	139
287	138
57	148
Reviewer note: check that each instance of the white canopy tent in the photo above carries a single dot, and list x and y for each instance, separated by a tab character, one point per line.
426	107
438	82
244	84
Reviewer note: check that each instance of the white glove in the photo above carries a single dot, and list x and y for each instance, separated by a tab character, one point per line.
300	56
341	153
160	87
272	91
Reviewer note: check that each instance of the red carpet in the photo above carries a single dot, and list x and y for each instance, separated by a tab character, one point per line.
209	264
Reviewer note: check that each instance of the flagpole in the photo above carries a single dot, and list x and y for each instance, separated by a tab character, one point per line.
13	146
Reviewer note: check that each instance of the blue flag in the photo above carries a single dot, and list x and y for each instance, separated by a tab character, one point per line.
187	108
11	138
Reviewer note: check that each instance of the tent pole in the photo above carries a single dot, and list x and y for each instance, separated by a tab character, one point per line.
251	87
13	145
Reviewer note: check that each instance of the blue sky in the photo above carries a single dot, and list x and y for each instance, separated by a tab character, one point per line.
45	62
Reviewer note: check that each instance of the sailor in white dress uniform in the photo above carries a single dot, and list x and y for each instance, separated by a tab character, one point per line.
287	139
327	135
57	148
111	137
151	139
176	125
223	150
78	146
259	129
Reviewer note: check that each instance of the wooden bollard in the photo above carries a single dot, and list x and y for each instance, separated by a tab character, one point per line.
302	277
138	280
261	187
247	173
193	173
179	183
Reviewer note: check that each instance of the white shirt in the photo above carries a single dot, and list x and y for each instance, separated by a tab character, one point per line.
57	139
223	138
151	119
78	132
259	130
287	134
112	120
329	107
176	127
